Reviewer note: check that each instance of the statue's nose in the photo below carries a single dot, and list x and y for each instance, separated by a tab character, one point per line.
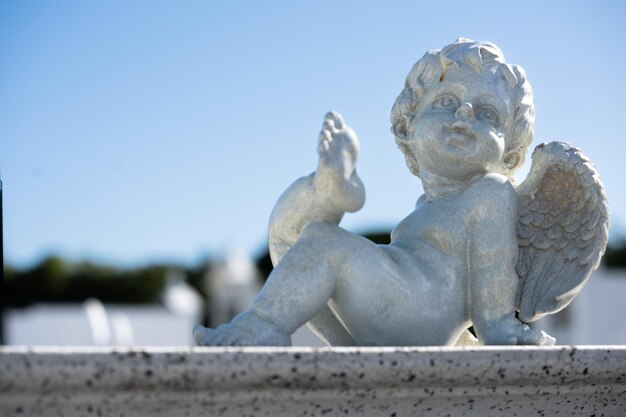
465	111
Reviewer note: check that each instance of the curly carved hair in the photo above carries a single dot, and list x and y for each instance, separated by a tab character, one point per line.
479	56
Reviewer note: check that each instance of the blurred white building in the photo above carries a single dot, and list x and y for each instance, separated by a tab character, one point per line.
231	284
93	323
597	316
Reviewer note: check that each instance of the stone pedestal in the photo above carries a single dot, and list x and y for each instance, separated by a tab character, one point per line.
486	381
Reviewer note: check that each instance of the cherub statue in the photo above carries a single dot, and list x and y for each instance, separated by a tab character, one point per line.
475	249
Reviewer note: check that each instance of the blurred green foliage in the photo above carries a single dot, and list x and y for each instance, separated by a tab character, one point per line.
54	280
615	255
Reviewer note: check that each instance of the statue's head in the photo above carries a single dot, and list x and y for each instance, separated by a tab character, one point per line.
463	63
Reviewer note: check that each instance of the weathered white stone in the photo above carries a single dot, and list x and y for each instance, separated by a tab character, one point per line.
474	250
165	382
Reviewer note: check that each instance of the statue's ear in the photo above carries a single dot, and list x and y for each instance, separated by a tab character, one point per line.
409	156
399	129
512	160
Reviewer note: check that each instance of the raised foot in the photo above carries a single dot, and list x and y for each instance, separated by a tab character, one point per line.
336	178
513	332
247	329
338	146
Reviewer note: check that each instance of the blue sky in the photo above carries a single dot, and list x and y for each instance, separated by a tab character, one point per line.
139	131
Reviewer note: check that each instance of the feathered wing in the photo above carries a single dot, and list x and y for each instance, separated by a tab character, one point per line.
562	229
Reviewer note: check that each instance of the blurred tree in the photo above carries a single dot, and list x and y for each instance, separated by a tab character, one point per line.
615	255
52	275
53	280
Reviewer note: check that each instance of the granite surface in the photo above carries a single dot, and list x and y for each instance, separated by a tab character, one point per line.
395	381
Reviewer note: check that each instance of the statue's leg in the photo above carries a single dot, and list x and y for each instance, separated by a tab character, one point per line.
295	292
300	286
303	281
330	329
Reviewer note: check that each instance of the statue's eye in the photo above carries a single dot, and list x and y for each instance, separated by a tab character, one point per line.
447	102
488	114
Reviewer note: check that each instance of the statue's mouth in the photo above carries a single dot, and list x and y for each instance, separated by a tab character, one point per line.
459	135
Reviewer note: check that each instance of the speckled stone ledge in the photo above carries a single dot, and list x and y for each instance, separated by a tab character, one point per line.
517	381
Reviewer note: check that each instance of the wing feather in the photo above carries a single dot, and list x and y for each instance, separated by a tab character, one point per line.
562	229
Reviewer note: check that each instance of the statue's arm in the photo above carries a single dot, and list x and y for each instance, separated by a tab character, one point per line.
493	255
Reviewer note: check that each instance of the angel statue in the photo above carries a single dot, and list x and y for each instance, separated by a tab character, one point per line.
476	249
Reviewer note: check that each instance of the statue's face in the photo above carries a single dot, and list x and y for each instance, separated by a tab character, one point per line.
459	129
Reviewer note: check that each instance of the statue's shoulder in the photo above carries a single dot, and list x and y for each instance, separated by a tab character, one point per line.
493	192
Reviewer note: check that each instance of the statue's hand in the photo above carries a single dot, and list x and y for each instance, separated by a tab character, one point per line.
510	331
338	150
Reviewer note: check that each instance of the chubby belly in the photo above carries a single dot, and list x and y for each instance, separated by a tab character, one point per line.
416	297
